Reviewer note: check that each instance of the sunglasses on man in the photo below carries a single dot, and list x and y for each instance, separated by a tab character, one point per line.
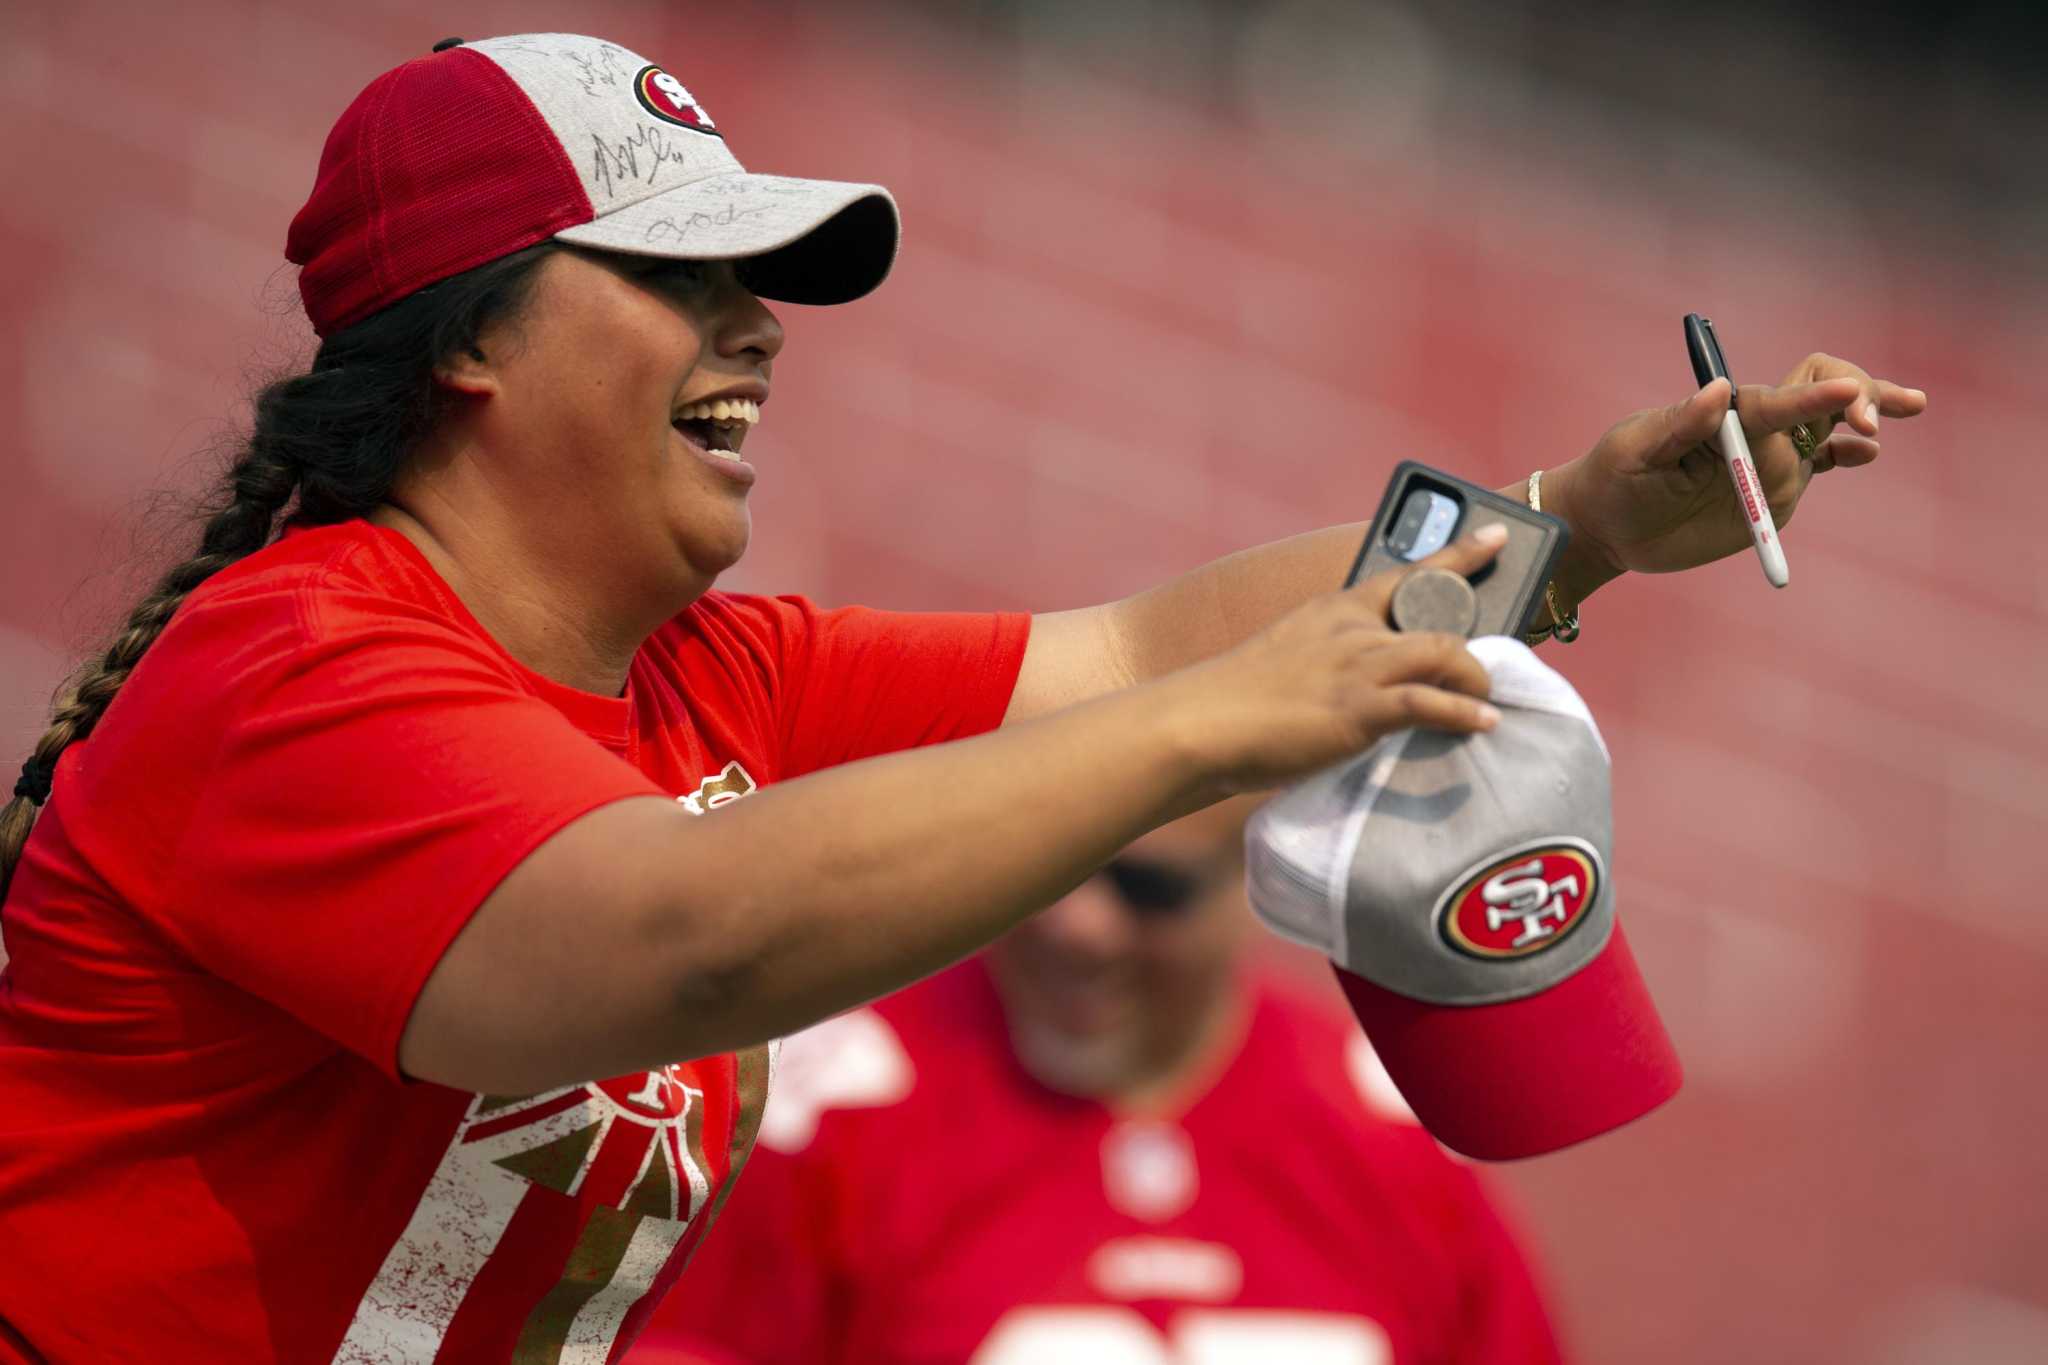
1152	888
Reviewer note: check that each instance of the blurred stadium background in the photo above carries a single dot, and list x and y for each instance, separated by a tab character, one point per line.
1181	277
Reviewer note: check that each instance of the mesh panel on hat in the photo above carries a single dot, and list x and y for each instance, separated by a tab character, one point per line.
438	166
1298	847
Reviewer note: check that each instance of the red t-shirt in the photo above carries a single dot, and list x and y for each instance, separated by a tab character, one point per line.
241	883
918	1198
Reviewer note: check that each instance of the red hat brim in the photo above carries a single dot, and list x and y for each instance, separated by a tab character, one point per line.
1526	1076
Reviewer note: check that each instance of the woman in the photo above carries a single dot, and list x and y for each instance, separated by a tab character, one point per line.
413	800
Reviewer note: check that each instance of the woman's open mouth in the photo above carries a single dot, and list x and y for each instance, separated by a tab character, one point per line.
718	428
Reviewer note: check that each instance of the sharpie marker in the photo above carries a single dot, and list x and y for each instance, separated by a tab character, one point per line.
1708	364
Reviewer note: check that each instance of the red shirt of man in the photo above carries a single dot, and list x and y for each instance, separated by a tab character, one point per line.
1113	1139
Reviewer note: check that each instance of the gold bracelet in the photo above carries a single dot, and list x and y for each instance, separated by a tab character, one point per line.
1563	626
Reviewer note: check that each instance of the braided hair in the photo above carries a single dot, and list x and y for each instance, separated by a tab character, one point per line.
325	447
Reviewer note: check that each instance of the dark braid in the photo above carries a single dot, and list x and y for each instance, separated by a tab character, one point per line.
334	439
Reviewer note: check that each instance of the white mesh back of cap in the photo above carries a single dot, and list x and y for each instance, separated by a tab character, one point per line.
1300	845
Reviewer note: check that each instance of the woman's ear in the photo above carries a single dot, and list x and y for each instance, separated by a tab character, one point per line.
468	372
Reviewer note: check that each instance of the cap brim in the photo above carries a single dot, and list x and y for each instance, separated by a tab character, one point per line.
1532	1075
802	241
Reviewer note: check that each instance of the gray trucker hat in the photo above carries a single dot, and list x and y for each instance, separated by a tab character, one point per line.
1463	887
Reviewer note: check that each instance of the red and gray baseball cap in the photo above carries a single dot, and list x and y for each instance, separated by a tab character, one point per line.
480	149
1463	886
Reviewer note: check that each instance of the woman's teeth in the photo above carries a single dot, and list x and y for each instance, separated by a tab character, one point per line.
740	410
719	426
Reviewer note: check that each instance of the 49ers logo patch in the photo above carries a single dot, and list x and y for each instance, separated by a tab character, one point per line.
1522	902
669	100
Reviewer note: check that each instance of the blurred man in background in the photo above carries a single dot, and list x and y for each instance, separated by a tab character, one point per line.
1116	1137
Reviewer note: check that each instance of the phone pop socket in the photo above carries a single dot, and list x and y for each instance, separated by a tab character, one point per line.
1434	599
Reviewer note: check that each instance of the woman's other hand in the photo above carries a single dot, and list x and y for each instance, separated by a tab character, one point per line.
1653	496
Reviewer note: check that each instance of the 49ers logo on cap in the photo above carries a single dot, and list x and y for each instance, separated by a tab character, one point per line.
669	100
1523	902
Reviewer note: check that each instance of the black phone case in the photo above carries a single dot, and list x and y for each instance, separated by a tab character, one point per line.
1510	590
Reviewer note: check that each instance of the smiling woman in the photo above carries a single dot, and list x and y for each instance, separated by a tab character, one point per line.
402	904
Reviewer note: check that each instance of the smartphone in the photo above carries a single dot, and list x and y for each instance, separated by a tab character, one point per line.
1425	509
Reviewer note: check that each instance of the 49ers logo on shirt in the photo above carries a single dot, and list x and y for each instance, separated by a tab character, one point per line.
669	100
1522	902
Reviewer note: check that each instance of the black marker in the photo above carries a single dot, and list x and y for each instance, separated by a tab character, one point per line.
1708	364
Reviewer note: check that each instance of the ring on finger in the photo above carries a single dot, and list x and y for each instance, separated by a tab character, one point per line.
1804	440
